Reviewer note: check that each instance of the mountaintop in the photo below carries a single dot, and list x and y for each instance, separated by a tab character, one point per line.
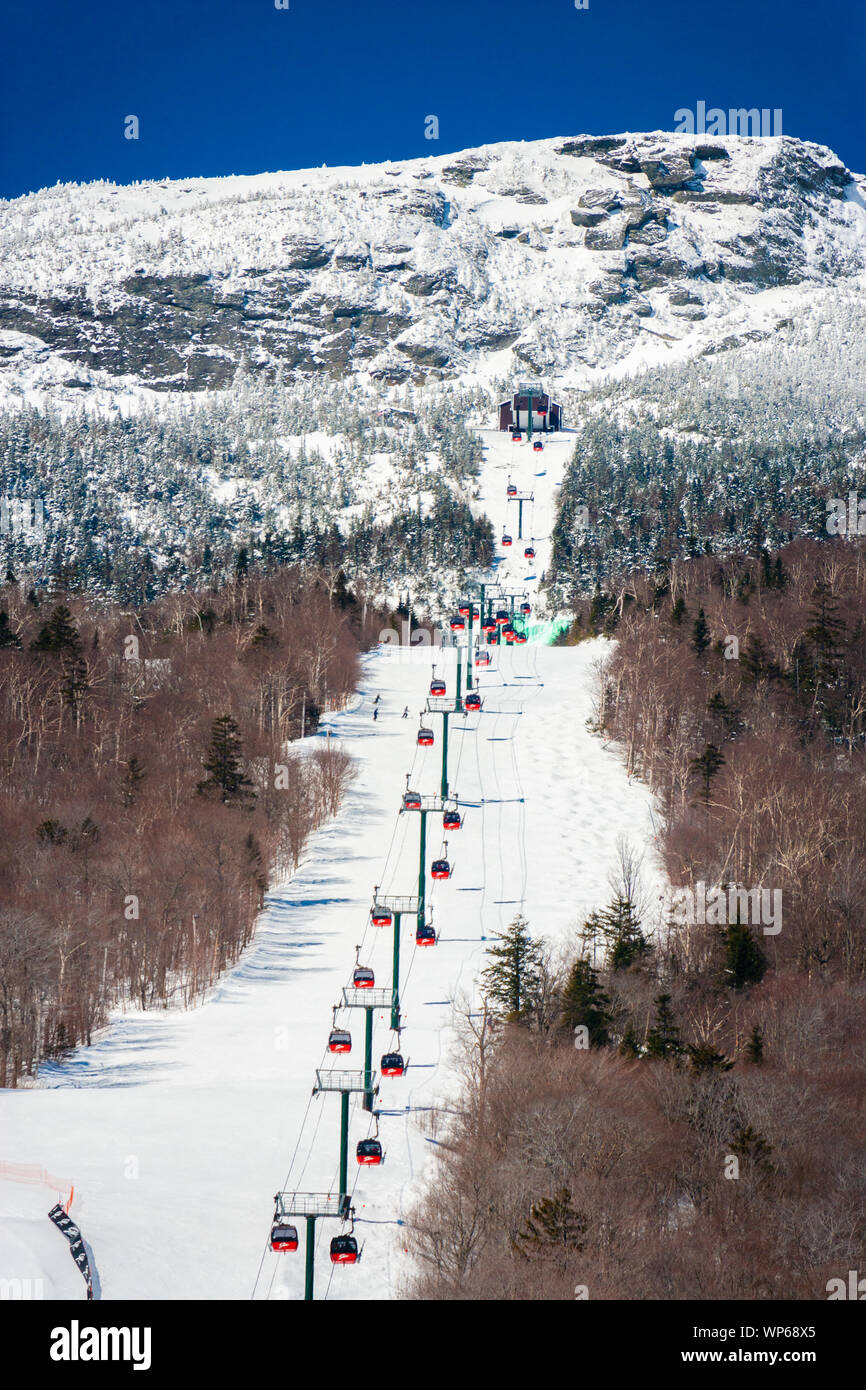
564	257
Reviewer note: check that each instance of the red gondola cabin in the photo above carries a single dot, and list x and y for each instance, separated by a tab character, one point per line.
440	868
392	1064
339	1040
425	738
457	624
344	1250
284	1236
511	490
369	1151
425	936
363	977
451	820
472	701
411	801
529	552
437	687
506	540
382	916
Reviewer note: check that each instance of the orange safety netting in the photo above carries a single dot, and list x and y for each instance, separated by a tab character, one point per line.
32	1173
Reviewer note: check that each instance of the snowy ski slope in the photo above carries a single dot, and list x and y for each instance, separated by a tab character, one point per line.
538	474
177	1128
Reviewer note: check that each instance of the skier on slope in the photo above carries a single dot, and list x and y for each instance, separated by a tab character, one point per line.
375	714
406	712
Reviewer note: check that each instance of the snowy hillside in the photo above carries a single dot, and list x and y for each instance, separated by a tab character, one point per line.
286	364
562	257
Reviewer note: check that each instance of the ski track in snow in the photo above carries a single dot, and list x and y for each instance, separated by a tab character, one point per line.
177	1127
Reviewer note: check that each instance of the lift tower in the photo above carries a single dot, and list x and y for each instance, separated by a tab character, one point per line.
520	498
313	1207
345	1082
397	906
369	1000
425	805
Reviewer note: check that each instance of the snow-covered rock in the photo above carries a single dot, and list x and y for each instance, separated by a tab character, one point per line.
562	256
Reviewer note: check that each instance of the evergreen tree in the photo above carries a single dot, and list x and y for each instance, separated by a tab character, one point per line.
619	925
223	763
745	962
706	766
755	663
826	631
205	620
766	569
728	714
663	1038
700	634
87	834
132	775
629	1046
585	1004
678	611
256	864
745	587
8	638
826	636
600	617
754	1149
58	634
554	1227
52	832
75	681
590	932
703	1057
755	1046
343	596
263	637
513	979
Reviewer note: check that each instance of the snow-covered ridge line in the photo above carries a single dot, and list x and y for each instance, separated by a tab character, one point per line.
233	185
561	257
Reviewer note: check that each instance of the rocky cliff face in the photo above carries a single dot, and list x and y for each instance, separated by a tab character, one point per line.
556	257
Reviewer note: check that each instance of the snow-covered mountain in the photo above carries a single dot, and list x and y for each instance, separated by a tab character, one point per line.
563	257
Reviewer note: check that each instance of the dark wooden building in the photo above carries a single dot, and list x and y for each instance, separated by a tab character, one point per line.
546	414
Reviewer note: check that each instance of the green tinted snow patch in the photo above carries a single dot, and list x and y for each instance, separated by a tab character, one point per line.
546	633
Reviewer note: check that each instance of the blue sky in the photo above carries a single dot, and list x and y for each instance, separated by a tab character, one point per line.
237	86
